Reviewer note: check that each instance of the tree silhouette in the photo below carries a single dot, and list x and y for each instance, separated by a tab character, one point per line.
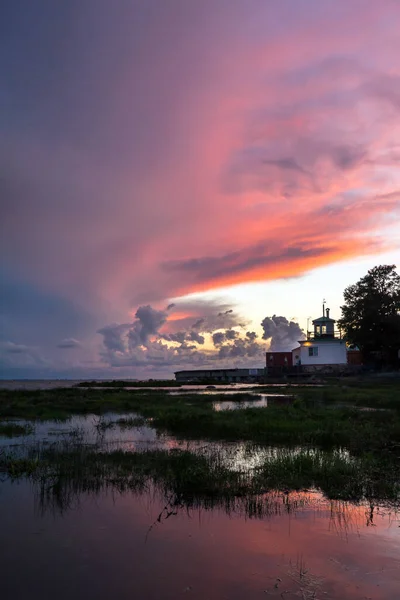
371	315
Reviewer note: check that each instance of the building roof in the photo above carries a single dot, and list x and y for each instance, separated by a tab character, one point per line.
228	370
324	320
321	340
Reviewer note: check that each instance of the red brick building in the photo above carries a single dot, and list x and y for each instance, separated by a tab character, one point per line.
278	362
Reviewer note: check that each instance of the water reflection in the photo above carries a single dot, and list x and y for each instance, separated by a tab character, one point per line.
88	428
119	536
47	384
116	546
111	433
261	402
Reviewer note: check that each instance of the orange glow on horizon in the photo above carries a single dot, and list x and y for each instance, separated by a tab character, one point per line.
284	270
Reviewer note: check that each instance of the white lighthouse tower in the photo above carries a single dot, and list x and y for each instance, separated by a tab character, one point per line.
323	348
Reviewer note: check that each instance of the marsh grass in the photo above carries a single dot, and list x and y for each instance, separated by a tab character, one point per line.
8	429
357	394
103	425
65	470
131	422
299	423
327	417
337	474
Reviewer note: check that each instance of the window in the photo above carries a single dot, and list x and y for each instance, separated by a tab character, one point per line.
323	329
313	351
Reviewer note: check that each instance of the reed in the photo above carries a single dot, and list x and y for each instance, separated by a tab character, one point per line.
202	478
8	429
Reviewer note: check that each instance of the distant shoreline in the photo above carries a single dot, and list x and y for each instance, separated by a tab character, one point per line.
43	384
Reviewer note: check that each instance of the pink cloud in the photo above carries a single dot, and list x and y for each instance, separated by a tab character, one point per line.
210	145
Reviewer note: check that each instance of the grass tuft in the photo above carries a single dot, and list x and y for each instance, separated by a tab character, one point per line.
15	429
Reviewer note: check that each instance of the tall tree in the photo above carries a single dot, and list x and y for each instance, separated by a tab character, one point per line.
371	315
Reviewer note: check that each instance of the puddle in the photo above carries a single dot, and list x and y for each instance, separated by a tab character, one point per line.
91	429
106	432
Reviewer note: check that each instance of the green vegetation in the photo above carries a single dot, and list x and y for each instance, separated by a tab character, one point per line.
308	432
63	402
187	479
14	429
328	416
128	423
338	475
363	392
300	423
371	316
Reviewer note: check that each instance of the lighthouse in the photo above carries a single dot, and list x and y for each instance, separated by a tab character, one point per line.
324	348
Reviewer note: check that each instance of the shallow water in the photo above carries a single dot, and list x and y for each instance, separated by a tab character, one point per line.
225	392
262	402
140	545
106	433
89	428
48	384
113	546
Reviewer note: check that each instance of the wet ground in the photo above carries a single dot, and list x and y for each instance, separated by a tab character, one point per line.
106	433
133	545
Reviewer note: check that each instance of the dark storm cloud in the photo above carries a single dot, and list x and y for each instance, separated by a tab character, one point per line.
196	337
241	348
218	338
203	316
112	336
261	255
282	333
121	337
149	321
221	336
182	337
179	337
69	343
125	345
251	335
231	334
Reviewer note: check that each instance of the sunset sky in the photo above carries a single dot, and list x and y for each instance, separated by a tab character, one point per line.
176	172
